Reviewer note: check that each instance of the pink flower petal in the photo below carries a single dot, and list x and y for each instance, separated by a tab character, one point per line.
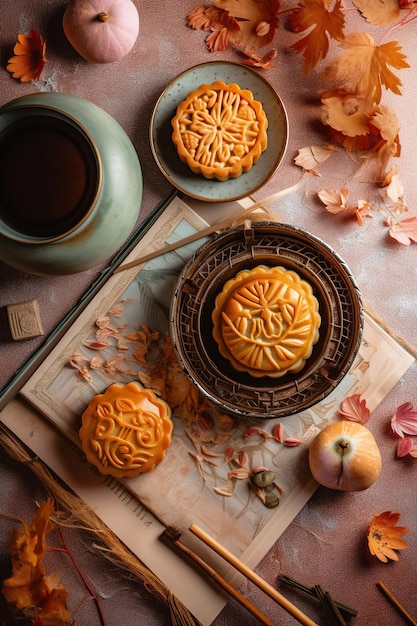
292	442
354	409
404	422
404	447
413	452
278	432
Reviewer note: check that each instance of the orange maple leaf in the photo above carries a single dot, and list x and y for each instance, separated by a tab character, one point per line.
223	26
324	23
365	68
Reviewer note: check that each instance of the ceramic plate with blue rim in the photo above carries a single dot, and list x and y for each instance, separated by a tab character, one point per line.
165	153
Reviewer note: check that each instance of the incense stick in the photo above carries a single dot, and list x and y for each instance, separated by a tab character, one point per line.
252	576
172	534
396	604
291	582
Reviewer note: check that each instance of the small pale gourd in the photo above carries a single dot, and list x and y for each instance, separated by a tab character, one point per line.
345	456
101	31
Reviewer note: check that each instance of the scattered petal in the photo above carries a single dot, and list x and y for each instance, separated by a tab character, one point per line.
252	431
310	157
96	345
292	442
76	360
334	199
265	62
96	363
242	458
404	447
404	422
405	231
278	432
354	409
384	537
241	473
225	491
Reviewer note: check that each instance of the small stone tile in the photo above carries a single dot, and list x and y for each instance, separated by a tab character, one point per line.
24	320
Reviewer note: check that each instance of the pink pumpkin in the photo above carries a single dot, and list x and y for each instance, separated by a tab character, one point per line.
101	31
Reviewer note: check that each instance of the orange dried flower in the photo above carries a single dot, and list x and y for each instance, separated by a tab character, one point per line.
29	59
384	537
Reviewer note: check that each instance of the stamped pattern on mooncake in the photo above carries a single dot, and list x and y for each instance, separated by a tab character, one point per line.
266	321
126	431
219	130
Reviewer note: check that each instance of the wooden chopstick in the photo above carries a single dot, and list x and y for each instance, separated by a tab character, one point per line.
396	604
251	575
173	535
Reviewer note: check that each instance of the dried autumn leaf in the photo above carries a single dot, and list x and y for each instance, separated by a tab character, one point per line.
365	68
30	57
310	157
346	114
384	537
221	25
29	587
363	209
378	13
405	232
393	186
249	25
265	61
354	409
404	422
385	120
257	20
334	199
322	23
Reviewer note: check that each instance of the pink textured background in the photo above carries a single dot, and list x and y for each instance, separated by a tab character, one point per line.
326	542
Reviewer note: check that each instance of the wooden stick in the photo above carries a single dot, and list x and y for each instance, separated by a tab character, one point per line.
210	230
396	604
174	536
252	576
172	246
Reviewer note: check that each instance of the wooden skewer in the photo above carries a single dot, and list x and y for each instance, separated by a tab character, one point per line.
252	576
210	230
396	604
174	536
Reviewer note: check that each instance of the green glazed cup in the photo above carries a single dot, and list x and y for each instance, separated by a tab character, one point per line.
70	184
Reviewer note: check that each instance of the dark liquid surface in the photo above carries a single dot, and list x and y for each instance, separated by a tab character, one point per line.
44	179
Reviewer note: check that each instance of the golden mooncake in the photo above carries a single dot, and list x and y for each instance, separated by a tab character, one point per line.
126	431
220	130
266	321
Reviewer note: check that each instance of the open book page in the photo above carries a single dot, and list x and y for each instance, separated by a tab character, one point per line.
204	477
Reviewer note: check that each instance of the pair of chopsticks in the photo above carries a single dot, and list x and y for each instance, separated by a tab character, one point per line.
174	535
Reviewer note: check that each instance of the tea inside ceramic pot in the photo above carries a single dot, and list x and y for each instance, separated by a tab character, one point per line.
48	178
